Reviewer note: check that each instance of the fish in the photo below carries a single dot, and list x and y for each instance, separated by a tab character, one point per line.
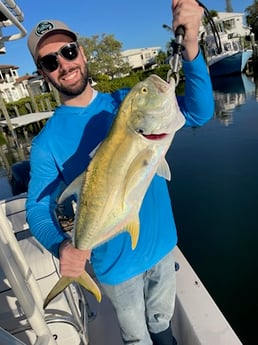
111	189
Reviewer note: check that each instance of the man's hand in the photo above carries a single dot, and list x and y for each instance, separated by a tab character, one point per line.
72	261
188	14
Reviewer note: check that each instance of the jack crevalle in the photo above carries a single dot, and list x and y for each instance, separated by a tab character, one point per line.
111	190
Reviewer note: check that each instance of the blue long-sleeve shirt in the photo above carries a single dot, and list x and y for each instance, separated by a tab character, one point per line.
61	152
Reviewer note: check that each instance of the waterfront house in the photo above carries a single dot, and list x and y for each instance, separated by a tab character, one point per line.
141	58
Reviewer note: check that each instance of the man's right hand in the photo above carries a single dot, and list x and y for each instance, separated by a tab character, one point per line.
72	261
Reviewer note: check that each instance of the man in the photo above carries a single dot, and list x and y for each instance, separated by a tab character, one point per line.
139	283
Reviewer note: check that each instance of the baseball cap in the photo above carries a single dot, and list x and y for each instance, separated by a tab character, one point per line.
44	29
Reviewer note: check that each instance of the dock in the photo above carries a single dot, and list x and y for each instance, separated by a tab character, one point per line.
27	119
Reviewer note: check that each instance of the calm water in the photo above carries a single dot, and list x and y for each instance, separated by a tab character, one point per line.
214	191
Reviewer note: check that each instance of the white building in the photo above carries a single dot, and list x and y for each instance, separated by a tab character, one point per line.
8	89
13	87
141	58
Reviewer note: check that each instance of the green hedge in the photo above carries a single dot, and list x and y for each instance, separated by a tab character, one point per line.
134	78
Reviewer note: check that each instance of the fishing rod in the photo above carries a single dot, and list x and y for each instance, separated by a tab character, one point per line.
177	43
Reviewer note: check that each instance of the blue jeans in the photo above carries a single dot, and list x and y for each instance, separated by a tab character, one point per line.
146	302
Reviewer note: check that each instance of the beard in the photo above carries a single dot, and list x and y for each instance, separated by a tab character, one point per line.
73	91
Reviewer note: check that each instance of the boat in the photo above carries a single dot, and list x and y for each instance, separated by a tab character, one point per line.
28	271
231	60
224	51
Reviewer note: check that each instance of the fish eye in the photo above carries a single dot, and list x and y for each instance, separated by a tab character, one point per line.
144	89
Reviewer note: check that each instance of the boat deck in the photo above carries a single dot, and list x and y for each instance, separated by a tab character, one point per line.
197	319
103	328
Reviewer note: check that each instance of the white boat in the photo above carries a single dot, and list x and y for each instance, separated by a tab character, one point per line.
224	51
232	59
28	271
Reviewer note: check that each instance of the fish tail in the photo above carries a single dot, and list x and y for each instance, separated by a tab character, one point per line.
62	283
84	280
89	284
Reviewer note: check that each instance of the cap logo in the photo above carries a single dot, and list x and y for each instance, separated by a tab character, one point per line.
43	27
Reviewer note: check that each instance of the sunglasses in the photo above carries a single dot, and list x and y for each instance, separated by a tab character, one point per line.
50	62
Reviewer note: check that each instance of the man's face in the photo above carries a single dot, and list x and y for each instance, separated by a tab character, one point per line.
66	68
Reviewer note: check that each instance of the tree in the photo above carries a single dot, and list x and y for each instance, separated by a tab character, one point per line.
161	58
252	17
104	56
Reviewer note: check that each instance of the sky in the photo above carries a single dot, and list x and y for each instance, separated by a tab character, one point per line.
135	23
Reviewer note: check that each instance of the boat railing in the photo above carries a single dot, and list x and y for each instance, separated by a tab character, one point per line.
26	287
11	15
229	46
21	279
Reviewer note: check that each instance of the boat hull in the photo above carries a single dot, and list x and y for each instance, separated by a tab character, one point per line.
229	64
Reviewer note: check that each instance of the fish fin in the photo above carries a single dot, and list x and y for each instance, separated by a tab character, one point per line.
164	170
133	229
62	283
89	284
73	188
135	169
84	280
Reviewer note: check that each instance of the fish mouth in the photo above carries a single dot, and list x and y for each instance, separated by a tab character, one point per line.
154	136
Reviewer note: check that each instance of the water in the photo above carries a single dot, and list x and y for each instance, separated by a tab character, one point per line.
214	192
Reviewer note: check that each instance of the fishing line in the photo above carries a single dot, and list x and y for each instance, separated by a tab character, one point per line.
213	27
